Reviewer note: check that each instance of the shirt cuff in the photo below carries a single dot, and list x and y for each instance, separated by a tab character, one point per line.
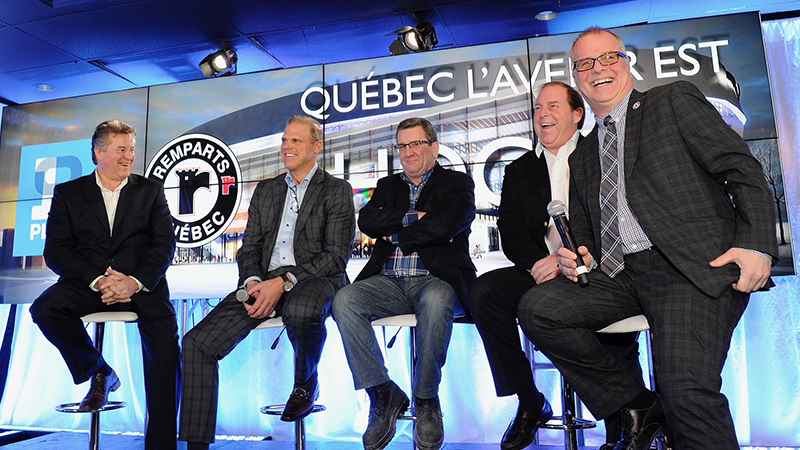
291	275
410	218
761	254
140	285
249	279
91	285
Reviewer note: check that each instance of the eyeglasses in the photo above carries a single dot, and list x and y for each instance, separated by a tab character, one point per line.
412	145
295	205
606	59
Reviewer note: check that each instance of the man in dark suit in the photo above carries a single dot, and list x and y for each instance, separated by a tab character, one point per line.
110	240
530	240
684	230
420	265
292	261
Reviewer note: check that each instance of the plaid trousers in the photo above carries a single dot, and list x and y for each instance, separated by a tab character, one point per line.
303	309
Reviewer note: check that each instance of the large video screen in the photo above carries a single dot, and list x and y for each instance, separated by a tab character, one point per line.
210	141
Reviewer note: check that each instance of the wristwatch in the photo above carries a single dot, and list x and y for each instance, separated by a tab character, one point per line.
288	284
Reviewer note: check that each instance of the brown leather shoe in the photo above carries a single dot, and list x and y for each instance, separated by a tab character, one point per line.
98	391
300	404
522	429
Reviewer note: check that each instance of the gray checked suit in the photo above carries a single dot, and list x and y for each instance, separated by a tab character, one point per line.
322	244
697	191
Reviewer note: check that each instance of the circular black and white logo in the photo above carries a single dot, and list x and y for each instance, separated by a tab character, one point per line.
201	179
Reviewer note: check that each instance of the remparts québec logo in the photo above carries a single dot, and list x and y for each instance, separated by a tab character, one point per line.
201	179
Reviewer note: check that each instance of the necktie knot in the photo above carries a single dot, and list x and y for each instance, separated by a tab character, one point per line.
608	120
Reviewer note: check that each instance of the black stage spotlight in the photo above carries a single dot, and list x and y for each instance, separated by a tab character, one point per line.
421	38
219	63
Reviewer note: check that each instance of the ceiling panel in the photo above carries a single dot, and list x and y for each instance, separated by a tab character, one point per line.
131	28
150	42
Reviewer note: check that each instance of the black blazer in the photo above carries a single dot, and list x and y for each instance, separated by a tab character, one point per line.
79	248
685	169
523	210
441	238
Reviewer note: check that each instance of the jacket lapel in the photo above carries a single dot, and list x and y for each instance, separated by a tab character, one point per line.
541	178
591	168
95	201
309	200
633	123
126	197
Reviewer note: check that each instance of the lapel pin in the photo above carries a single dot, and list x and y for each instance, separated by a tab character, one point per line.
637	105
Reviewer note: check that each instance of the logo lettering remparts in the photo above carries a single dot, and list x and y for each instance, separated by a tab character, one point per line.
201	177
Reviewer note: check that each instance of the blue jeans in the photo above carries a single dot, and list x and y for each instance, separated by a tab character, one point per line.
432	300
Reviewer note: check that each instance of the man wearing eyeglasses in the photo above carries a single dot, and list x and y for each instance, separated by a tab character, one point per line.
298	239
672	215
420	265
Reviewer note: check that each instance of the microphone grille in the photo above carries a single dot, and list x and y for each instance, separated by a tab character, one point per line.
556	208
242	295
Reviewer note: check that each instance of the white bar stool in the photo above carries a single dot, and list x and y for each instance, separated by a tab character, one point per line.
405	320
277	410
568	421
99	319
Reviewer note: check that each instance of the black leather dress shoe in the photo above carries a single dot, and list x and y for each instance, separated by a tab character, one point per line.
97	396
522	429
640	427
300	403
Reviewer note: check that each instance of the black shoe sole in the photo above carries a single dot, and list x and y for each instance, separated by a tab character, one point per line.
398	412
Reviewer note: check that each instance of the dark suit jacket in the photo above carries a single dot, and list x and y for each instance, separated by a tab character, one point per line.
441	238
323	235
683	165
79	249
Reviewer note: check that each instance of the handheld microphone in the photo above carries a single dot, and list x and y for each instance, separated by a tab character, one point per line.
558	211
243	297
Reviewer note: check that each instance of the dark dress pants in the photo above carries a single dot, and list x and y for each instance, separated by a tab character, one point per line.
57	312
691	334
493	301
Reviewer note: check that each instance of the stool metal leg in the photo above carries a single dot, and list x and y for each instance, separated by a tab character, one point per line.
94	431
300	434
572	439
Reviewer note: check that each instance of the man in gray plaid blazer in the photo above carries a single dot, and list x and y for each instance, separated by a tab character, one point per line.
292	261
693	218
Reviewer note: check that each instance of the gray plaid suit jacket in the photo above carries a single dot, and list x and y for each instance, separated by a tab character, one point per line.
685	169
323	235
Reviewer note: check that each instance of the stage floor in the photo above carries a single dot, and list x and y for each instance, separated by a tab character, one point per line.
80	441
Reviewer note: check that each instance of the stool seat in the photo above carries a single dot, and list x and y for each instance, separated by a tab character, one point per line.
402	320
111	316
634	323
275	322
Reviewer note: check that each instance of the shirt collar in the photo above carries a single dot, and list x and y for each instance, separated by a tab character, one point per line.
424	177
100	183
618	112
567	148
309	176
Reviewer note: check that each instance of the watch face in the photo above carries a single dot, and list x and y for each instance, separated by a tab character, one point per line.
287	283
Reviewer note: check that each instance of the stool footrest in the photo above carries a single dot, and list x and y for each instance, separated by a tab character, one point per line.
73	407
277	410
557	423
